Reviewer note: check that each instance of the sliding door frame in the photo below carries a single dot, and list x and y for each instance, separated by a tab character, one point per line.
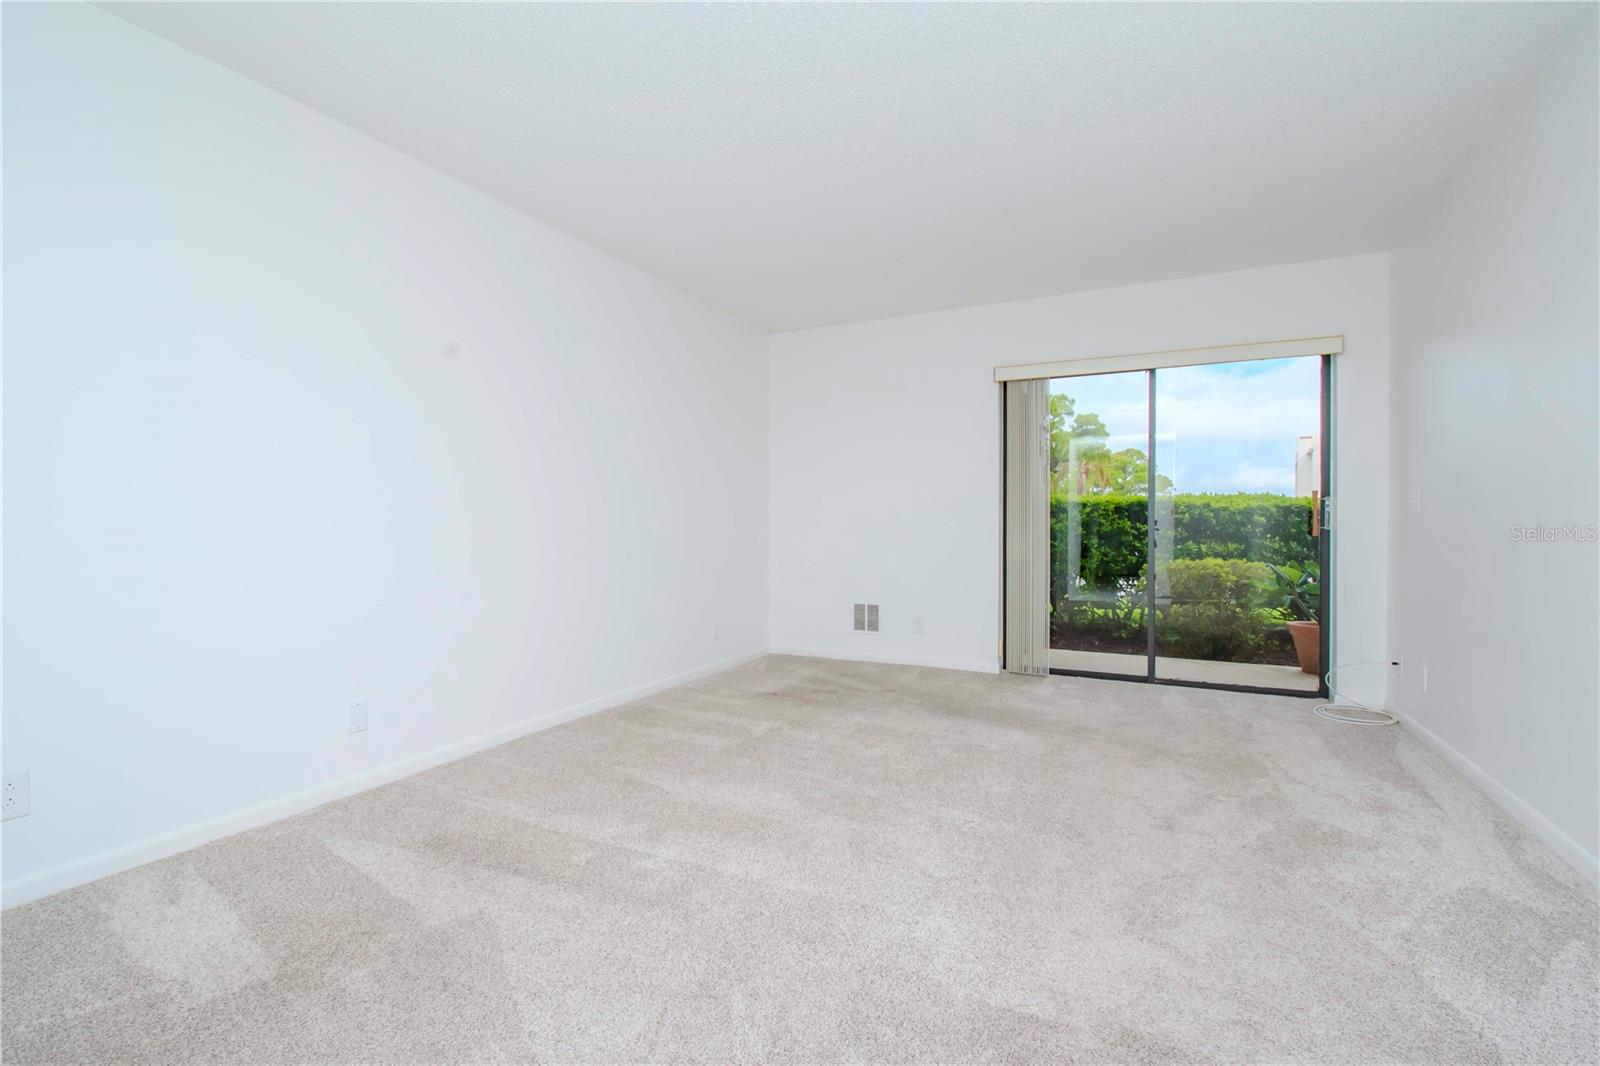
1325	542
1324	514
1151	526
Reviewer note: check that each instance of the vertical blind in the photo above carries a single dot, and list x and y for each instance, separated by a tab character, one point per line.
1027	519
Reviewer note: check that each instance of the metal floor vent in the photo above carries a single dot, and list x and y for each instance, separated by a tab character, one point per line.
866	618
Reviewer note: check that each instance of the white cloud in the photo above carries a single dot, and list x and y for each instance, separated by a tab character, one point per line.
1277	402
1248	477
1220	428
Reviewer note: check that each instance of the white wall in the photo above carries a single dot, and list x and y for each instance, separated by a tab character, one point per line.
291	420
885	451
1495	421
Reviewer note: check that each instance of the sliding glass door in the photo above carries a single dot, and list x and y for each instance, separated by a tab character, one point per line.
1185	532
1099	430
1239	468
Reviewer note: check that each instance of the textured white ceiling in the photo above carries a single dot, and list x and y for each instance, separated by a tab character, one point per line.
808	164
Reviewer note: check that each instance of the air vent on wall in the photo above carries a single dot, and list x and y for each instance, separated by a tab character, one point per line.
866	618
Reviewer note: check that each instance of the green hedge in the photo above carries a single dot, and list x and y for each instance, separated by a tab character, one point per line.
1111	530
1217	610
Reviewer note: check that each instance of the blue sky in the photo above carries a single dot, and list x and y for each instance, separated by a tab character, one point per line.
1227	427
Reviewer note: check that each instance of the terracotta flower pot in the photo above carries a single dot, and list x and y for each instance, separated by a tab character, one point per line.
1307	637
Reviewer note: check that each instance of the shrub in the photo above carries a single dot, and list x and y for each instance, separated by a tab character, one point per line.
1298	595
1221	608
1116	613
1217	609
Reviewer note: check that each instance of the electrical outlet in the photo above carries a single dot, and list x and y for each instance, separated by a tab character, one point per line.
358	716
916	624
15	797
716	630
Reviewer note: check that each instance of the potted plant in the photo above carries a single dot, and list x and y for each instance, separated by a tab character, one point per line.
1299	599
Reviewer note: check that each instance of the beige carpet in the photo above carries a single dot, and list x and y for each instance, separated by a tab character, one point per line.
814	861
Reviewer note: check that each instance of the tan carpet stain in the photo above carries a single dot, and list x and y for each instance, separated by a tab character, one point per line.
813	861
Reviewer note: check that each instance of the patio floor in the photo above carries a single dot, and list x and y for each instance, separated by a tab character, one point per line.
1254	675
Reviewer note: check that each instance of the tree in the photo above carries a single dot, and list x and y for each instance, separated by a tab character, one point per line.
1060	436
1089	425
1081	463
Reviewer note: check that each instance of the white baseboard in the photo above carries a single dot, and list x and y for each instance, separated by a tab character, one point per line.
969	665
1575	854
115	860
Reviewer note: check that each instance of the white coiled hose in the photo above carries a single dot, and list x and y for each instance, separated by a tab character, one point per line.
1345	709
